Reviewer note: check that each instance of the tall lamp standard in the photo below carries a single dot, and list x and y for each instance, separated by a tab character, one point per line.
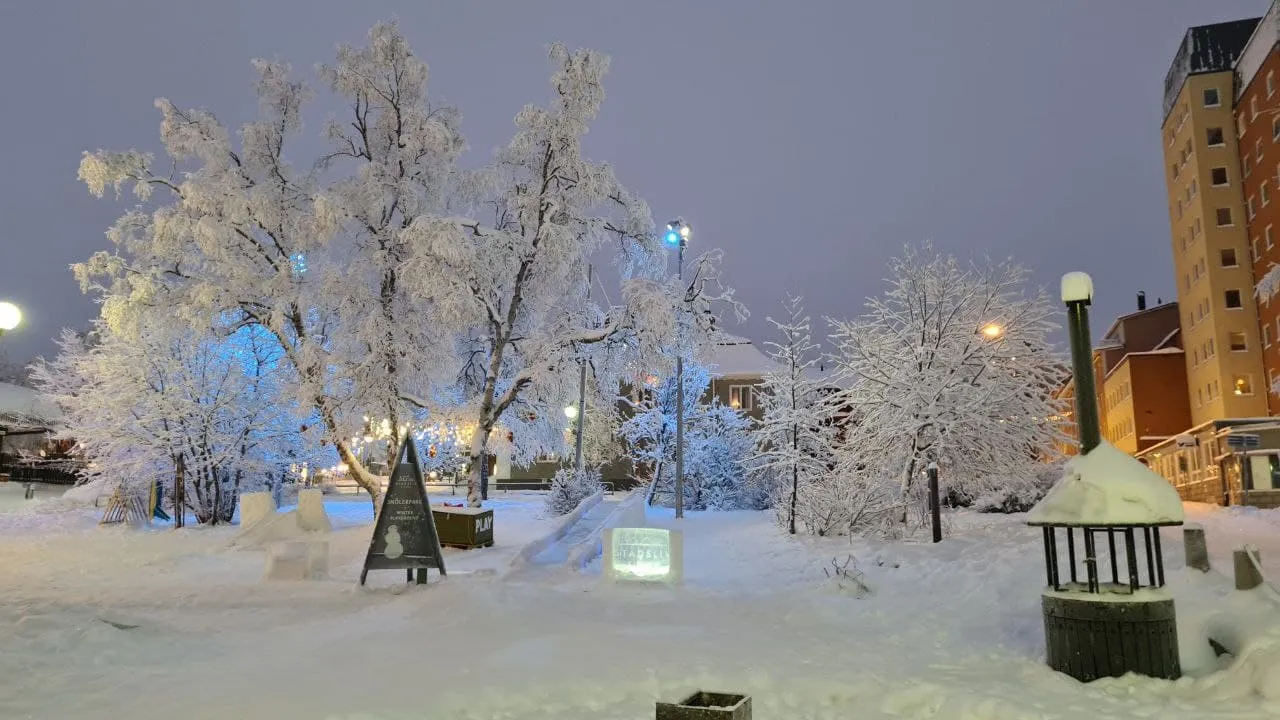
678	235
10	317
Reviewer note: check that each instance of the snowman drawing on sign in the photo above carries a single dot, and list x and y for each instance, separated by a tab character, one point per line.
392	538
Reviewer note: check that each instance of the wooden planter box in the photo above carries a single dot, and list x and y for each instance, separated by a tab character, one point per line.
704	705
464	527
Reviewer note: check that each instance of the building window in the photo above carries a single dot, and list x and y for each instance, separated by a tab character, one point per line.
1228	257
1214	137
1270	238
1249	208
1271	381
1218	176
1195	229
1245	167
1209	351
1257	149
1253	108
1199	402
1275	130
1271	84
1263	194
1224	217
1242	384
1253	249
1211	98
740	397
1266	336
1233	299
1240	126
1237	341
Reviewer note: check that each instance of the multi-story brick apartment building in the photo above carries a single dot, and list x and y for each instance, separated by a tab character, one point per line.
1256	102
1208	218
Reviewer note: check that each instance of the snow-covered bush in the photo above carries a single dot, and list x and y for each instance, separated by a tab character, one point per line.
1018	492
570	487
718	445
716	463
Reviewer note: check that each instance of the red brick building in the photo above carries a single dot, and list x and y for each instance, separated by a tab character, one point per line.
1257	116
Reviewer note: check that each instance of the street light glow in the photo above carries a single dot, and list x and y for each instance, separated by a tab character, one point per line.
570	412
992	331
10	316
672	237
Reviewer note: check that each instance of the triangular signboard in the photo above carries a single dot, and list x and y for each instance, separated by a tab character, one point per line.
404	533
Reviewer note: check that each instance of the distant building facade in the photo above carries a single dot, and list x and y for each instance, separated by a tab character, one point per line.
1209	221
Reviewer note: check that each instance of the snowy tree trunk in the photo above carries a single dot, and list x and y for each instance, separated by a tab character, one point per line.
478	475
179	491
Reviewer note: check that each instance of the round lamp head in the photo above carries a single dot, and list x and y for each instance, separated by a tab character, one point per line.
571	412
1077	287
992	331
672	237
10	316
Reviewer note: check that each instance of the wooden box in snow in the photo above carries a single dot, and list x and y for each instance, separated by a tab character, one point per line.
704	705
464	527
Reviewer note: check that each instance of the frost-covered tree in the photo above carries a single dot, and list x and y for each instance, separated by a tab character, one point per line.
512	282
952	364
796	437
314	255
203	414
393	284
717	442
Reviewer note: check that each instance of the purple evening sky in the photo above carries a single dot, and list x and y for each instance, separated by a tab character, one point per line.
810	140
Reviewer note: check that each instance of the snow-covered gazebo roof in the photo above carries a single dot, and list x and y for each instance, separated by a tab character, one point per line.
24	408
1108	488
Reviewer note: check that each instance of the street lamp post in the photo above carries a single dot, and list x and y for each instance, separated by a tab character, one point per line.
581	413
1077	294
678	235
10	317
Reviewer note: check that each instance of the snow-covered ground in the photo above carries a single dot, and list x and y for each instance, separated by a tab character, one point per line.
111	622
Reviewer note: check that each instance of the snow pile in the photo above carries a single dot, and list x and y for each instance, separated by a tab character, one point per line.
1108	487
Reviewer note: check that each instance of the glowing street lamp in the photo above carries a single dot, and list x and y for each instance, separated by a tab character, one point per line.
992	331
571	412
10	316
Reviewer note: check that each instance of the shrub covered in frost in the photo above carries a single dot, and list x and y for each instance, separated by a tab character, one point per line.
570	487
1017	496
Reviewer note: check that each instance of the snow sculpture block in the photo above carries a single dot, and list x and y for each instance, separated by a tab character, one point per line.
311	514
298	560
643	555
255	507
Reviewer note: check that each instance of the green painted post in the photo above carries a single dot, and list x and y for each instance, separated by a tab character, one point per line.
1077	292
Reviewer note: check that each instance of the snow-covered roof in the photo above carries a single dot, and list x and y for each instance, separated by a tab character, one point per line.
1107	487
738	357
26	406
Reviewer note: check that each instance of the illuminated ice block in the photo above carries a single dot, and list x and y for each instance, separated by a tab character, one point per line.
643	555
